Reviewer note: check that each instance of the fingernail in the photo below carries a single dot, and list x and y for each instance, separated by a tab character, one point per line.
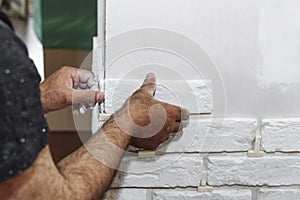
99	97
185	114
150	77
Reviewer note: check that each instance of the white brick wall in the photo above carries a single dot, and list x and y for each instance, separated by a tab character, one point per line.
227	163
217	145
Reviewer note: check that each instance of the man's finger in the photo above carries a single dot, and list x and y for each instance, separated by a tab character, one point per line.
149	85
85	75
176	112
87	96
82	85
185	114
180	114
176	127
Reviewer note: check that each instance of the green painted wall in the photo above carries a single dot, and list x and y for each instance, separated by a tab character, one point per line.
65	24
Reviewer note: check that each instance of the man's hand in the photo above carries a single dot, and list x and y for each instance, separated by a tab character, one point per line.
148	121
69	85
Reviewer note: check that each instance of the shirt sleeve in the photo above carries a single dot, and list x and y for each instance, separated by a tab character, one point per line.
23	127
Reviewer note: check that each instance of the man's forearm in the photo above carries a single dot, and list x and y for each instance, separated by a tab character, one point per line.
79	176
89	170
86	173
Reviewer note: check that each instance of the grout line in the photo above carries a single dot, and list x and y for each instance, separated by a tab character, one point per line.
208	115
218	187
196	114
220	153
204	154
155	188
257	186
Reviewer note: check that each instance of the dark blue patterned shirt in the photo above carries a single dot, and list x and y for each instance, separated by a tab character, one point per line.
23	128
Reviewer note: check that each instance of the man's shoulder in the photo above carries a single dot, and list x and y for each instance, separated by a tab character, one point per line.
14	60
5	19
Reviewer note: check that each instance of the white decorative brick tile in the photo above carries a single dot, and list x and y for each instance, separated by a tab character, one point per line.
279	194
214	135
188	194
165	171
194	95
127	194
281	134
271	170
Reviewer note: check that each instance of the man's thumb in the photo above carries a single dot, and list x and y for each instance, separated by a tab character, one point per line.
149	84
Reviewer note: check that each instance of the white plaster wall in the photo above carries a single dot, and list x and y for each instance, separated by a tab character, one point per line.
254	43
